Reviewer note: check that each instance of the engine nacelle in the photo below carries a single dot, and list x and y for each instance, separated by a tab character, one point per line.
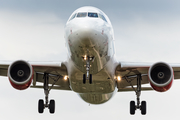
20	74
161	76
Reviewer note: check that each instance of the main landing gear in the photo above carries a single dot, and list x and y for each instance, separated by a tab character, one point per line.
87	76
47	104
133	106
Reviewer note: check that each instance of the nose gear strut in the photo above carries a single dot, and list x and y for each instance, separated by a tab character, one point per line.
88	76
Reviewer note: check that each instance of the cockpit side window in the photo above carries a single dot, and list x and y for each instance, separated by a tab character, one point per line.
82	14
95	15
73	16
102	17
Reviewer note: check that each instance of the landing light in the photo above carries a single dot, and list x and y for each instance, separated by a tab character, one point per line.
119	78
65	77
85	57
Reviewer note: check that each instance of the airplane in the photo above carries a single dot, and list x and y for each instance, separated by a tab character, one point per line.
91	69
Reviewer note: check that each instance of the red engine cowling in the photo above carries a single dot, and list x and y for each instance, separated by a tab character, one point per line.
20	74
161	76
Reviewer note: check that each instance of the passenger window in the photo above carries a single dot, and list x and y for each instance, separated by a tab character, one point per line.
84	14
73	16
102	17
93	15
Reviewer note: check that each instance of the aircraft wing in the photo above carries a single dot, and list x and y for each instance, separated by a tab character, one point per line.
56	70
129	71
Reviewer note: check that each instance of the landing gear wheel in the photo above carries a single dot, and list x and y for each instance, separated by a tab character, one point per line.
52	106
84	78
41	106
132	107
47	104
90	78
143	107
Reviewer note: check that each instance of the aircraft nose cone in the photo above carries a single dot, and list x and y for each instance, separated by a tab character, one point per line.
87	35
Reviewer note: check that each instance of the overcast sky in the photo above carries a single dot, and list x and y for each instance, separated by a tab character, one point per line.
145	31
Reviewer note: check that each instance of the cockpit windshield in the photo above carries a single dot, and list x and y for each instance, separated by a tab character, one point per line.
102	17
95	15
73	16
83	14
89	14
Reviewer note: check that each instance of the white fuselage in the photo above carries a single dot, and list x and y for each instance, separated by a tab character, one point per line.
91	37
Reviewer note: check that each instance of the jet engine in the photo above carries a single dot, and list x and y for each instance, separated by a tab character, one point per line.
20	74
161	76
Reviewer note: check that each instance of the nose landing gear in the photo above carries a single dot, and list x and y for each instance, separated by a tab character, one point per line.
87	76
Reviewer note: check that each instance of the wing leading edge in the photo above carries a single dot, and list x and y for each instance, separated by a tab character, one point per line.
56	70
129	72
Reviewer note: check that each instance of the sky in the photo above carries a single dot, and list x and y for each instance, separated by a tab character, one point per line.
145	31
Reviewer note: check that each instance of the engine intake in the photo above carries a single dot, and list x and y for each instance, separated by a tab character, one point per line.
161	76
20	74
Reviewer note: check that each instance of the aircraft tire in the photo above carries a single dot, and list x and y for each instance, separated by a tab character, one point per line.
143	107
84	78
90	78
41	106
52	106
132	107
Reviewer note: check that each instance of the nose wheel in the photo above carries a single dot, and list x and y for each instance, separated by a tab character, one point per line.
87	78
